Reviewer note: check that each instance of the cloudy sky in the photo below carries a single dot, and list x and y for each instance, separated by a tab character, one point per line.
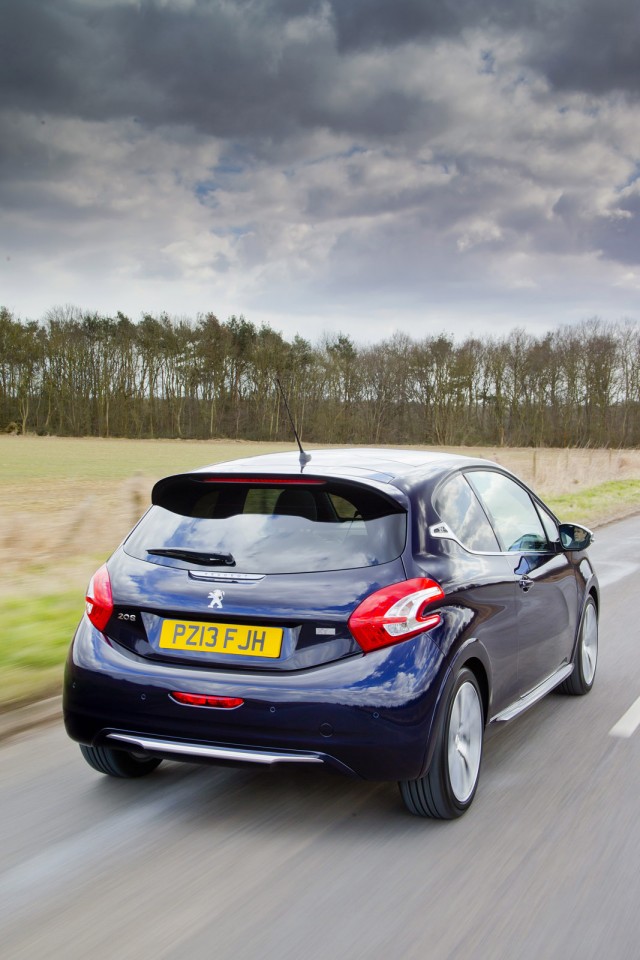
360	166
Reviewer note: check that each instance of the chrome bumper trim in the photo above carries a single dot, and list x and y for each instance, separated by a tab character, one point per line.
240	754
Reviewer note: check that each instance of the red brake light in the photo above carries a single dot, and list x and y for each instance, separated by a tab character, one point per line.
270	481
99	598
200	700
395	613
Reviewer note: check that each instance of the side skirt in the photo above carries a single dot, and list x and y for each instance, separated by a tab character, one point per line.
528	700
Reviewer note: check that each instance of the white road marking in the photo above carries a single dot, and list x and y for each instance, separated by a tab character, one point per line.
628	723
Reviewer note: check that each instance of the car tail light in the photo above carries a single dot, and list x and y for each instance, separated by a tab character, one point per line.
99	598
202	700
269	481
395	613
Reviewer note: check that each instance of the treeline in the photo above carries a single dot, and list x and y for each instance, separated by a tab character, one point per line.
78	374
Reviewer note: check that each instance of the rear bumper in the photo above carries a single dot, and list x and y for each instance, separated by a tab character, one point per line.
368	715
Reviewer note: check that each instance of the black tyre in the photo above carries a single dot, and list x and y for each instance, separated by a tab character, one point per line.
449	786
118	763
585	659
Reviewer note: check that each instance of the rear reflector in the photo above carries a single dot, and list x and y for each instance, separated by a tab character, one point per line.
396	613
200	700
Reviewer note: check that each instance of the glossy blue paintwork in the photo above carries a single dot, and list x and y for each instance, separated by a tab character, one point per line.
373	715
379	706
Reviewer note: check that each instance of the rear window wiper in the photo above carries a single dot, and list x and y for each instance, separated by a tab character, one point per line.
197	556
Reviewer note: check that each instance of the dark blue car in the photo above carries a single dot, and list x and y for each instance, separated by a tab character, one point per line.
373	610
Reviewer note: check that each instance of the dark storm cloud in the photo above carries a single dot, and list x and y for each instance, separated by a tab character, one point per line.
223	68
363	23
22	153
577	44
52	57
590	46
269	67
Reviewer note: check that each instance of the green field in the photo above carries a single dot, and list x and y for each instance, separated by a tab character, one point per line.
66	503
91	458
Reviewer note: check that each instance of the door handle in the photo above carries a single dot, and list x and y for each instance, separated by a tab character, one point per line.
525	583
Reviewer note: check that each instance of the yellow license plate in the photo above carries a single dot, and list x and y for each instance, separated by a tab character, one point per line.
221	638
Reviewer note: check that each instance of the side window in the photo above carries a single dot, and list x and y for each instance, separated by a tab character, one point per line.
512	511
458	506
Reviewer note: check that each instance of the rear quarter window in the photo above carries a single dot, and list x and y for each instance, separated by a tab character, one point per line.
457	504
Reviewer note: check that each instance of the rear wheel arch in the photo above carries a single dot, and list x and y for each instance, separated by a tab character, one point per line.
472	656
446	790
478	669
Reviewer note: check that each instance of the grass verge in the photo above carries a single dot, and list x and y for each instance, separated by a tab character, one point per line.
600	504
35	634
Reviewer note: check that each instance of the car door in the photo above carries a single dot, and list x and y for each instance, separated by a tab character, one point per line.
546	595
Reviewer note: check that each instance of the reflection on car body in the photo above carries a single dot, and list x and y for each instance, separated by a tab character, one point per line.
371	610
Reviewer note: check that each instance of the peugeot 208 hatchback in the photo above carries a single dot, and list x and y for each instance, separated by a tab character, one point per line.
372	610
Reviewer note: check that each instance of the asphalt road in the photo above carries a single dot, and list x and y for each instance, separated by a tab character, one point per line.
199	862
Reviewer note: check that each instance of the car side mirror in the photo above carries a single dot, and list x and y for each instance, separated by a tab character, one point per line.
575	537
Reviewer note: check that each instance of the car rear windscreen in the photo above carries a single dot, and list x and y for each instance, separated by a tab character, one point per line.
266	527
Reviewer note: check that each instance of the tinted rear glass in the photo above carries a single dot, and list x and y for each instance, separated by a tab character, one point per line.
269	528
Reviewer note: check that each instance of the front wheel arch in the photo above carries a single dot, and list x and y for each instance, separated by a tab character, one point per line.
585	655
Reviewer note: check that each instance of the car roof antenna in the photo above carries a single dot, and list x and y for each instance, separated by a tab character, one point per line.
304	457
